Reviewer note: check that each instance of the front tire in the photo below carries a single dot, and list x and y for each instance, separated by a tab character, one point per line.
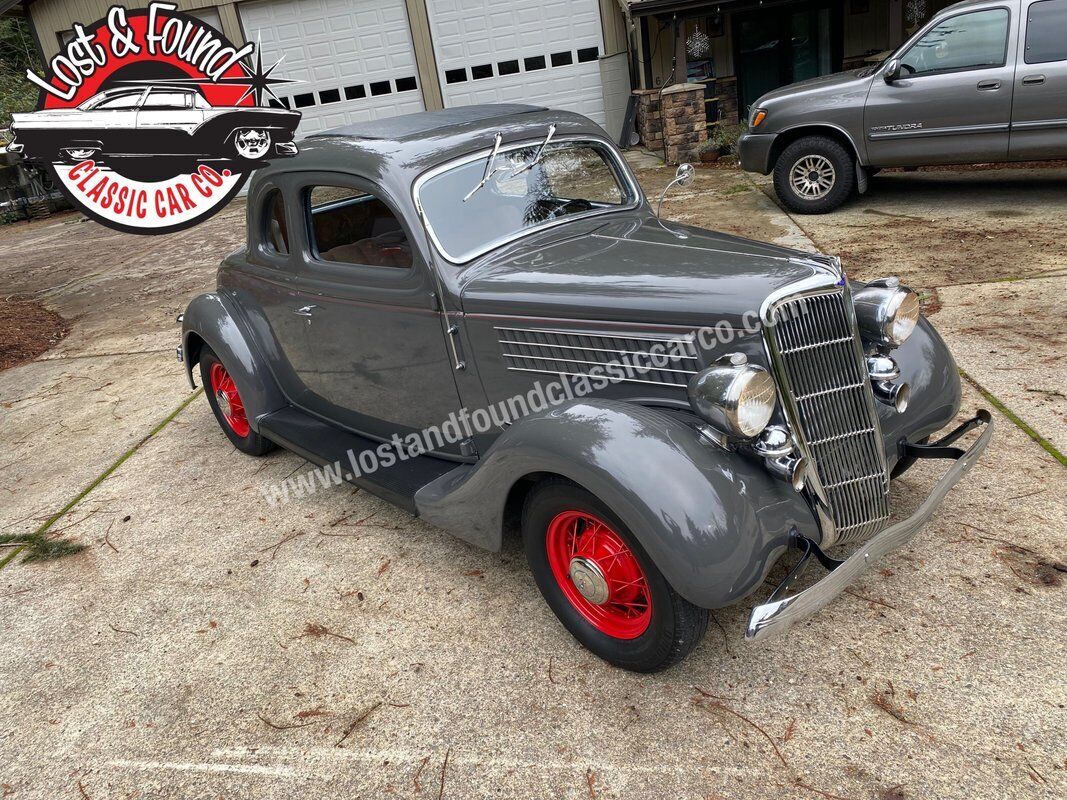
602	585
228	407
814	175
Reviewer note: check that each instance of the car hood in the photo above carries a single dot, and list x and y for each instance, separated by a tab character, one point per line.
839	81
633	268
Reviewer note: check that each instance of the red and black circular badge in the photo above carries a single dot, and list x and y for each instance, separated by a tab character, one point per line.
150	120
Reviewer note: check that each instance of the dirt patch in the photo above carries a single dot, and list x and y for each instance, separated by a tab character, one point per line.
28	329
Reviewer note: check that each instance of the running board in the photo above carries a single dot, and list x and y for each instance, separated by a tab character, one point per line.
324	444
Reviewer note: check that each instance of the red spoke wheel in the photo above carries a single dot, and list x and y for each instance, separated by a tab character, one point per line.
603	587
228	399
228	405
598	574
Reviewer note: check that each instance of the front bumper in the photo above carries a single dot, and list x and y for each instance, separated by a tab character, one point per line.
776	615
754	150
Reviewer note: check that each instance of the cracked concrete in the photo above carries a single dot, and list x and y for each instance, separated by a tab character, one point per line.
207	645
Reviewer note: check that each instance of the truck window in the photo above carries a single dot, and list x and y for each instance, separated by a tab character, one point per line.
353	227
966	41
1046	32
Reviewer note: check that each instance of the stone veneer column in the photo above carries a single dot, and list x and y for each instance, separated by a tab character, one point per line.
685	123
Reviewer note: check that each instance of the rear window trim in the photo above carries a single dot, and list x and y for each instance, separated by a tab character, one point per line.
617	163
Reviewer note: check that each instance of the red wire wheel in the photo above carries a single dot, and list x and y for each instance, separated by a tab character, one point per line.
599	574
228	399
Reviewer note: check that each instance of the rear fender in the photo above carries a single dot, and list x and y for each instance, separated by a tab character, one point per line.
210	319
713	521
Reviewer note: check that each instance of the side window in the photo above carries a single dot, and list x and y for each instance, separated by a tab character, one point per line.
121	101
166	100
353	227
277	231
967	41
1046	32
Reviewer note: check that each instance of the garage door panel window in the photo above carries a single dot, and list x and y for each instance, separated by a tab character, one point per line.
352	227
1046	32
978	40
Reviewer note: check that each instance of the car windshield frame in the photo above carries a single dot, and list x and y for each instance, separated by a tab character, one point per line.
612	160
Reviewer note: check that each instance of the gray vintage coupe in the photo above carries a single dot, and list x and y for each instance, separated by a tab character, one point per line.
476	315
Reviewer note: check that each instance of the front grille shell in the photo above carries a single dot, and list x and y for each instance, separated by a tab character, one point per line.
814	346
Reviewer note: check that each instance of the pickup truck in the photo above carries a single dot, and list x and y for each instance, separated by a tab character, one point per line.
983	81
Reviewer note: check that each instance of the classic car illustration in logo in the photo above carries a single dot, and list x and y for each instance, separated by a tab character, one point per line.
152	131
159	125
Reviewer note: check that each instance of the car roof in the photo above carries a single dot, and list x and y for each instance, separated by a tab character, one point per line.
394	152
423	123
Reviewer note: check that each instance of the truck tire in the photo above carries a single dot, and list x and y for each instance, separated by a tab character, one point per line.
601	584
814	175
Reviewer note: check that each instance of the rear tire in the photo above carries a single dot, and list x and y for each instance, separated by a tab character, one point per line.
814	175
226	404
643	624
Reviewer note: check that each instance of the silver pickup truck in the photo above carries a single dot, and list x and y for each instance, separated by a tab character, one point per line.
983	81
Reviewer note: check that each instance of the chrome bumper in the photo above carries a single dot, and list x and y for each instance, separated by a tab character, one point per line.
776	615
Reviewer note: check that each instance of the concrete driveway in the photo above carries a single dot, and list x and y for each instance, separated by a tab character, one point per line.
205	645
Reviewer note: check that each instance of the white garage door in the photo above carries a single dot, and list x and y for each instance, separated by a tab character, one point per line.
501	51
354	57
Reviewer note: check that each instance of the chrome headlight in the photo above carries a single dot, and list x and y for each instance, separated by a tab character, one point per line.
886	313
737	398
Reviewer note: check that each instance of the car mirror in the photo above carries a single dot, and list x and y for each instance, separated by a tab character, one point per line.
683	177
892	71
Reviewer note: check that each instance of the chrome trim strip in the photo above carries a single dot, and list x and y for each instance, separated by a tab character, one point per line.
621	169
601	363
955	130
771	619
586	375
687	337
1039	124
673	356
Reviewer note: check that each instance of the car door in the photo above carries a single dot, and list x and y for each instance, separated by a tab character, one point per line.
382	363
1039	111
951	102
265	282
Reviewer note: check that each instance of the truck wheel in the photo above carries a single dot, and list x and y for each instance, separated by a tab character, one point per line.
226	403
601	584
814	175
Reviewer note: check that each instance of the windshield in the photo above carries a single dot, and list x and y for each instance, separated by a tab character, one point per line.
569	180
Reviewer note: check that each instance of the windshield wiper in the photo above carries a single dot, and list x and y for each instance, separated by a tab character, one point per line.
489	171
533	162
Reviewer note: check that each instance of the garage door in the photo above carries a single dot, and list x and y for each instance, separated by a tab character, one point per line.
353	57
500	51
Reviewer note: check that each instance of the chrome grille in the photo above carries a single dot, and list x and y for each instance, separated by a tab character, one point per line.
573	353
815	343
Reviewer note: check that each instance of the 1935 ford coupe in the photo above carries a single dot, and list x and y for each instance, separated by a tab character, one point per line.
476	315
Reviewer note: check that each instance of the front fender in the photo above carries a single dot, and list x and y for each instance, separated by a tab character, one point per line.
927	366
713	521
211	318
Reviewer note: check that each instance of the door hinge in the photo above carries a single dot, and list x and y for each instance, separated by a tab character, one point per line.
468	448
453	338
435	304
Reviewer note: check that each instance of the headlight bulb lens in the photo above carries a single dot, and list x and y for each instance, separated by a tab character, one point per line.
886	313
737	399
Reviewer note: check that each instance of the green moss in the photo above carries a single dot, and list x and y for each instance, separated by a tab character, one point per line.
1045	444
38	546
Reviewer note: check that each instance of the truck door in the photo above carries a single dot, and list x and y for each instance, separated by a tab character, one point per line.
951	101
1039	112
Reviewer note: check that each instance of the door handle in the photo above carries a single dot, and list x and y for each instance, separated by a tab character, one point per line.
304	311
1033	80
988	86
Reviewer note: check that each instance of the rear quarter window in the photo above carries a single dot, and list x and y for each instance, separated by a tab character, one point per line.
1046	32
